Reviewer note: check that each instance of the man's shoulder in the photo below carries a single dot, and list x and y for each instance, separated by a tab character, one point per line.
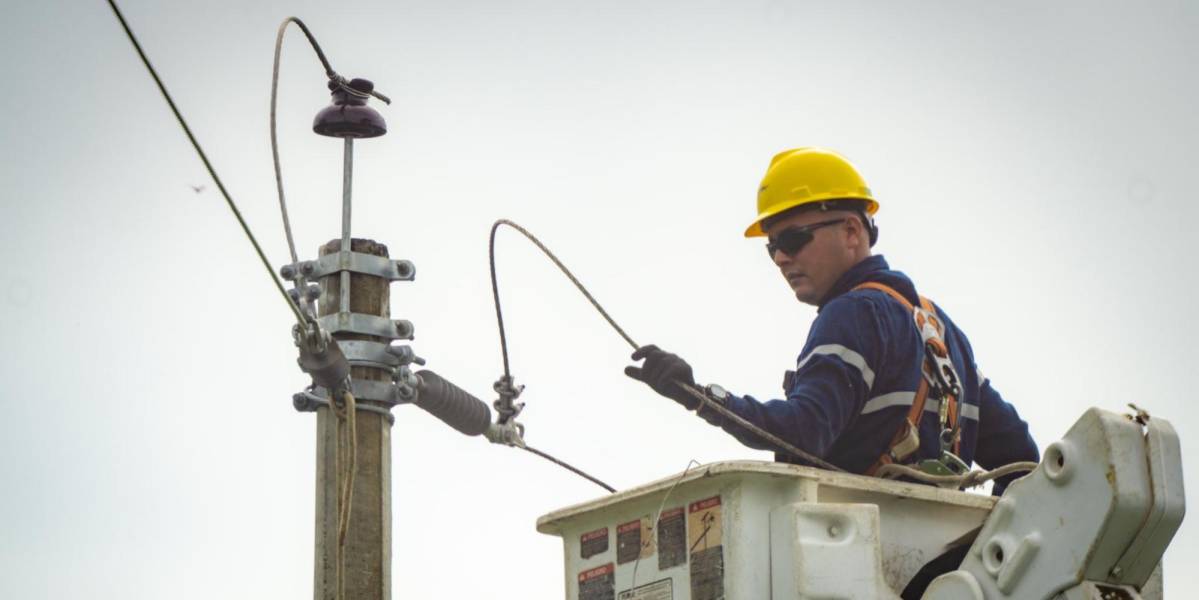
857	302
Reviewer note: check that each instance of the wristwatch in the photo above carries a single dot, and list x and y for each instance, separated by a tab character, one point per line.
717	393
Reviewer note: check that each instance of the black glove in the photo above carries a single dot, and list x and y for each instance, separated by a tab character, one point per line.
661	371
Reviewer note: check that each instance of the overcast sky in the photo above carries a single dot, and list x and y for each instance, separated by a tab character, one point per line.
1033	161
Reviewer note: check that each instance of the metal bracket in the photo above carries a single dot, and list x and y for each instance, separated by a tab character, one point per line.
308	402
506	405
508	434
369	354
356	262
320	356
343	322
375	391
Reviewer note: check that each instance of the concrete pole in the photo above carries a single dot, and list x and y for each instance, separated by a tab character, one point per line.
368	539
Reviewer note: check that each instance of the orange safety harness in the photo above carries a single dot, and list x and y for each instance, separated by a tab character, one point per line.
938	379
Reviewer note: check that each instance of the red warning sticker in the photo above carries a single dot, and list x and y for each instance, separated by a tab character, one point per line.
631	541
593	542
598	583
597	572
704	504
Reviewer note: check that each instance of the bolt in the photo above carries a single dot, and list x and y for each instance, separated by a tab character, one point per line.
403	353
301	402
833	531
404	269
404	329
405	391
288	272
307	268
314	292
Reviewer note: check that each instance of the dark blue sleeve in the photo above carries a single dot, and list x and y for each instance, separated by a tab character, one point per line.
1003	436
833	378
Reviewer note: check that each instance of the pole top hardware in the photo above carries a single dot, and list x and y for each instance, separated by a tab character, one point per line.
355	262
349	116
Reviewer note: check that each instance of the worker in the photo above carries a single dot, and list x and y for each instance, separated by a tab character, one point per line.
879	361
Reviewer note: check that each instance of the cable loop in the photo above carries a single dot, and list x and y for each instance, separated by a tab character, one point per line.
966	480
762	434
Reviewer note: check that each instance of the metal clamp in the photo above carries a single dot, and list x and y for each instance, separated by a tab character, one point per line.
506	405
376	391
356	262
345	322
309	402
369	354
508	434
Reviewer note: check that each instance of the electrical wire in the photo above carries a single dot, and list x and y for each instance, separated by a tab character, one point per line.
495	290
568	467
295	309
658	515
347	469
291	244
966	480
699	394
333	76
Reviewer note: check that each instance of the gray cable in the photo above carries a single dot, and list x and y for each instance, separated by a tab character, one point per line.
568	467
762	434
291	244
658	515
966	480
495	290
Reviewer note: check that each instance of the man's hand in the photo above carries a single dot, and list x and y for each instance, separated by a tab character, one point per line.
661	371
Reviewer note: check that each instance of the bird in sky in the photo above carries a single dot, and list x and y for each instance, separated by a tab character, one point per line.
197	188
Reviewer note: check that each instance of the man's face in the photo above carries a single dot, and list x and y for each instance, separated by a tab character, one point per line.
812	271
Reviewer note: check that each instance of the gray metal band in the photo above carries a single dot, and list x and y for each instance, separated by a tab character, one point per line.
398	329
375	391
356	262
378	391
309	402
368	354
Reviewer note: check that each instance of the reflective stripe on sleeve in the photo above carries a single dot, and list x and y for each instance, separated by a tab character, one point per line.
845	354
901	399
878	403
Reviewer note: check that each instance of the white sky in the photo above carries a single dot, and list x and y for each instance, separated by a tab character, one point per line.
1034	163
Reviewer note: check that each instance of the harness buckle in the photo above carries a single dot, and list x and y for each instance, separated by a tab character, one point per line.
947	464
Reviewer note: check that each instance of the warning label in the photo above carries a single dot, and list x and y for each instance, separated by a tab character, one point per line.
704	525
672	538
598	583
593	542
634	540
705	534
658	590
707	574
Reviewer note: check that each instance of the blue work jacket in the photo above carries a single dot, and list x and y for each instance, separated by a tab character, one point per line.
856	380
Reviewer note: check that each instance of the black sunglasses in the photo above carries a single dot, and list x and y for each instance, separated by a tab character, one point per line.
792	239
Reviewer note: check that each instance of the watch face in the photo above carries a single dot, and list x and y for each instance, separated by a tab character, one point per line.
717	392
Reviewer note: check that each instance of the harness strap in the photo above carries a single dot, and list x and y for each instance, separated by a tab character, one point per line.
906	440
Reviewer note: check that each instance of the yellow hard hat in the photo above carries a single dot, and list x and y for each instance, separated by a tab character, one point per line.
805	176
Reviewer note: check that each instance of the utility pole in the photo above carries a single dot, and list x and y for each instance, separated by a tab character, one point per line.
353	442
358	375
368	538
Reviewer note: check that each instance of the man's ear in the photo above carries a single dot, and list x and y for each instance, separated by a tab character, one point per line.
858	231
